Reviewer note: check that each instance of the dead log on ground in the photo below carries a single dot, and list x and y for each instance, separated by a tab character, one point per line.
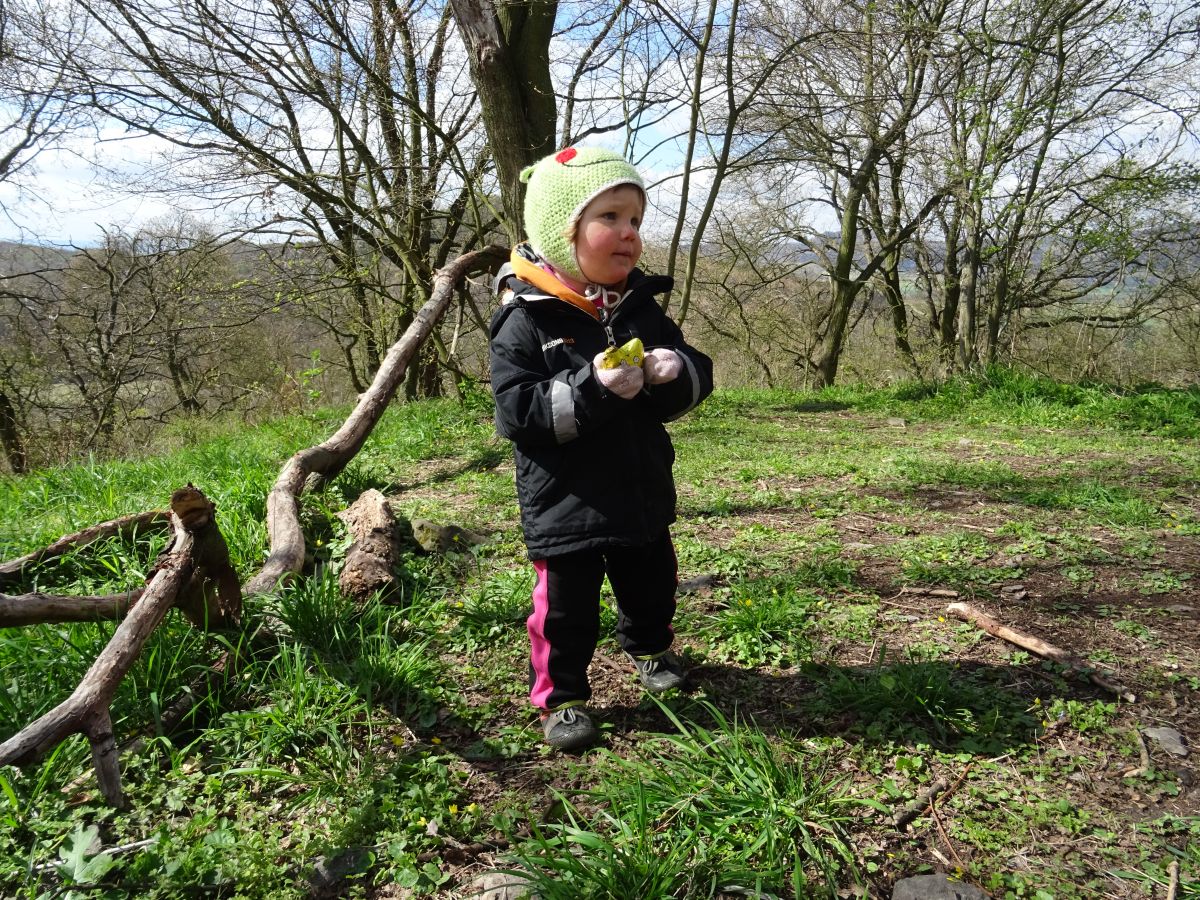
38	608
178	572
147	523
968	613
329	458
371	561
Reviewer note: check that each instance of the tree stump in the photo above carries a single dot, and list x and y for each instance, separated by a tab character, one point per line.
372	560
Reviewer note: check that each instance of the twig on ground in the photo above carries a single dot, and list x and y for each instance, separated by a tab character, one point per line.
1173	872
937	820
111	851
916	806
1143	753
940	789
968	613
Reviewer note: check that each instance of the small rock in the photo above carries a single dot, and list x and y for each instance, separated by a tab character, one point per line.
434	538
699	583
1167	738
328	875
501	886
858	546
897	423
965	442
1180	608
935	887
905	618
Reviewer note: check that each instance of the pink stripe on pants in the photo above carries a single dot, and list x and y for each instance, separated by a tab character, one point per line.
539	647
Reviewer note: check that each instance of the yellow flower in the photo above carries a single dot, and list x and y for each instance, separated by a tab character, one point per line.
454	809
435	740
397	740
422	821
472	808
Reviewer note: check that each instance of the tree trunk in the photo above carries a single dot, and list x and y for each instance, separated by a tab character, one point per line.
947	322
845	290
969	300
10	437
894	295
509	52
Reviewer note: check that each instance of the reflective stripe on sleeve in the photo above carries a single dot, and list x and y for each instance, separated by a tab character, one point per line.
695	377
562	409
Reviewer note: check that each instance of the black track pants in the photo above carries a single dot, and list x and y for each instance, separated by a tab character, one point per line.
565	623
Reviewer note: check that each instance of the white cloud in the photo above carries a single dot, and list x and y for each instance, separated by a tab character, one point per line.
72	194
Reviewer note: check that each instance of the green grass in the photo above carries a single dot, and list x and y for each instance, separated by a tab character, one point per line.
831	687
697	813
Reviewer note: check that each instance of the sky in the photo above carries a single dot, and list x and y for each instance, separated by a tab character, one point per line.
70	196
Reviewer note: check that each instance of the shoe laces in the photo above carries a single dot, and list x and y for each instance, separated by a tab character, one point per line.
566	716
651	667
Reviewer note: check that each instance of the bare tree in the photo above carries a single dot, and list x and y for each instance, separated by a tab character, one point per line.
145	325
1056	115
841	115
346	126
36	92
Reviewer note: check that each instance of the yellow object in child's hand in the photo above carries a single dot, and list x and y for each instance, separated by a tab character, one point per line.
631	353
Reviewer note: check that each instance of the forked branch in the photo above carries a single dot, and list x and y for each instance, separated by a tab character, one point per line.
189	571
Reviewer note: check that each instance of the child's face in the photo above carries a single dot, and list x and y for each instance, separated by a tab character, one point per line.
607	241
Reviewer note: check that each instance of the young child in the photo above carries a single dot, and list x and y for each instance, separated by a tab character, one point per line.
592	456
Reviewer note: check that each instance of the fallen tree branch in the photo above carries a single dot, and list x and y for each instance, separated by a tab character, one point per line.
86	710
981	620
147	523
189	572
195	572
38	608
329	458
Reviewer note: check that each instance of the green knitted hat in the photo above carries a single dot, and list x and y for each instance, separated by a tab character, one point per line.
560	188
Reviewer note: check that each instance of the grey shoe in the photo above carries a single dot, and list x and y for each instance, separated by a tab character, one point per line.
660	672
569	729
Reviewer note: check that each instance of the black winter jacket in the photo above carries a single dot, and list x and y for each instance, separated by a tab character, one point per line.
593	469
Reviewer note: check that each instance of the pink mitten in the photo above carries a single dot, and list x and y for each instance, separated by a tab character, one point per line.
625	380
662	365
